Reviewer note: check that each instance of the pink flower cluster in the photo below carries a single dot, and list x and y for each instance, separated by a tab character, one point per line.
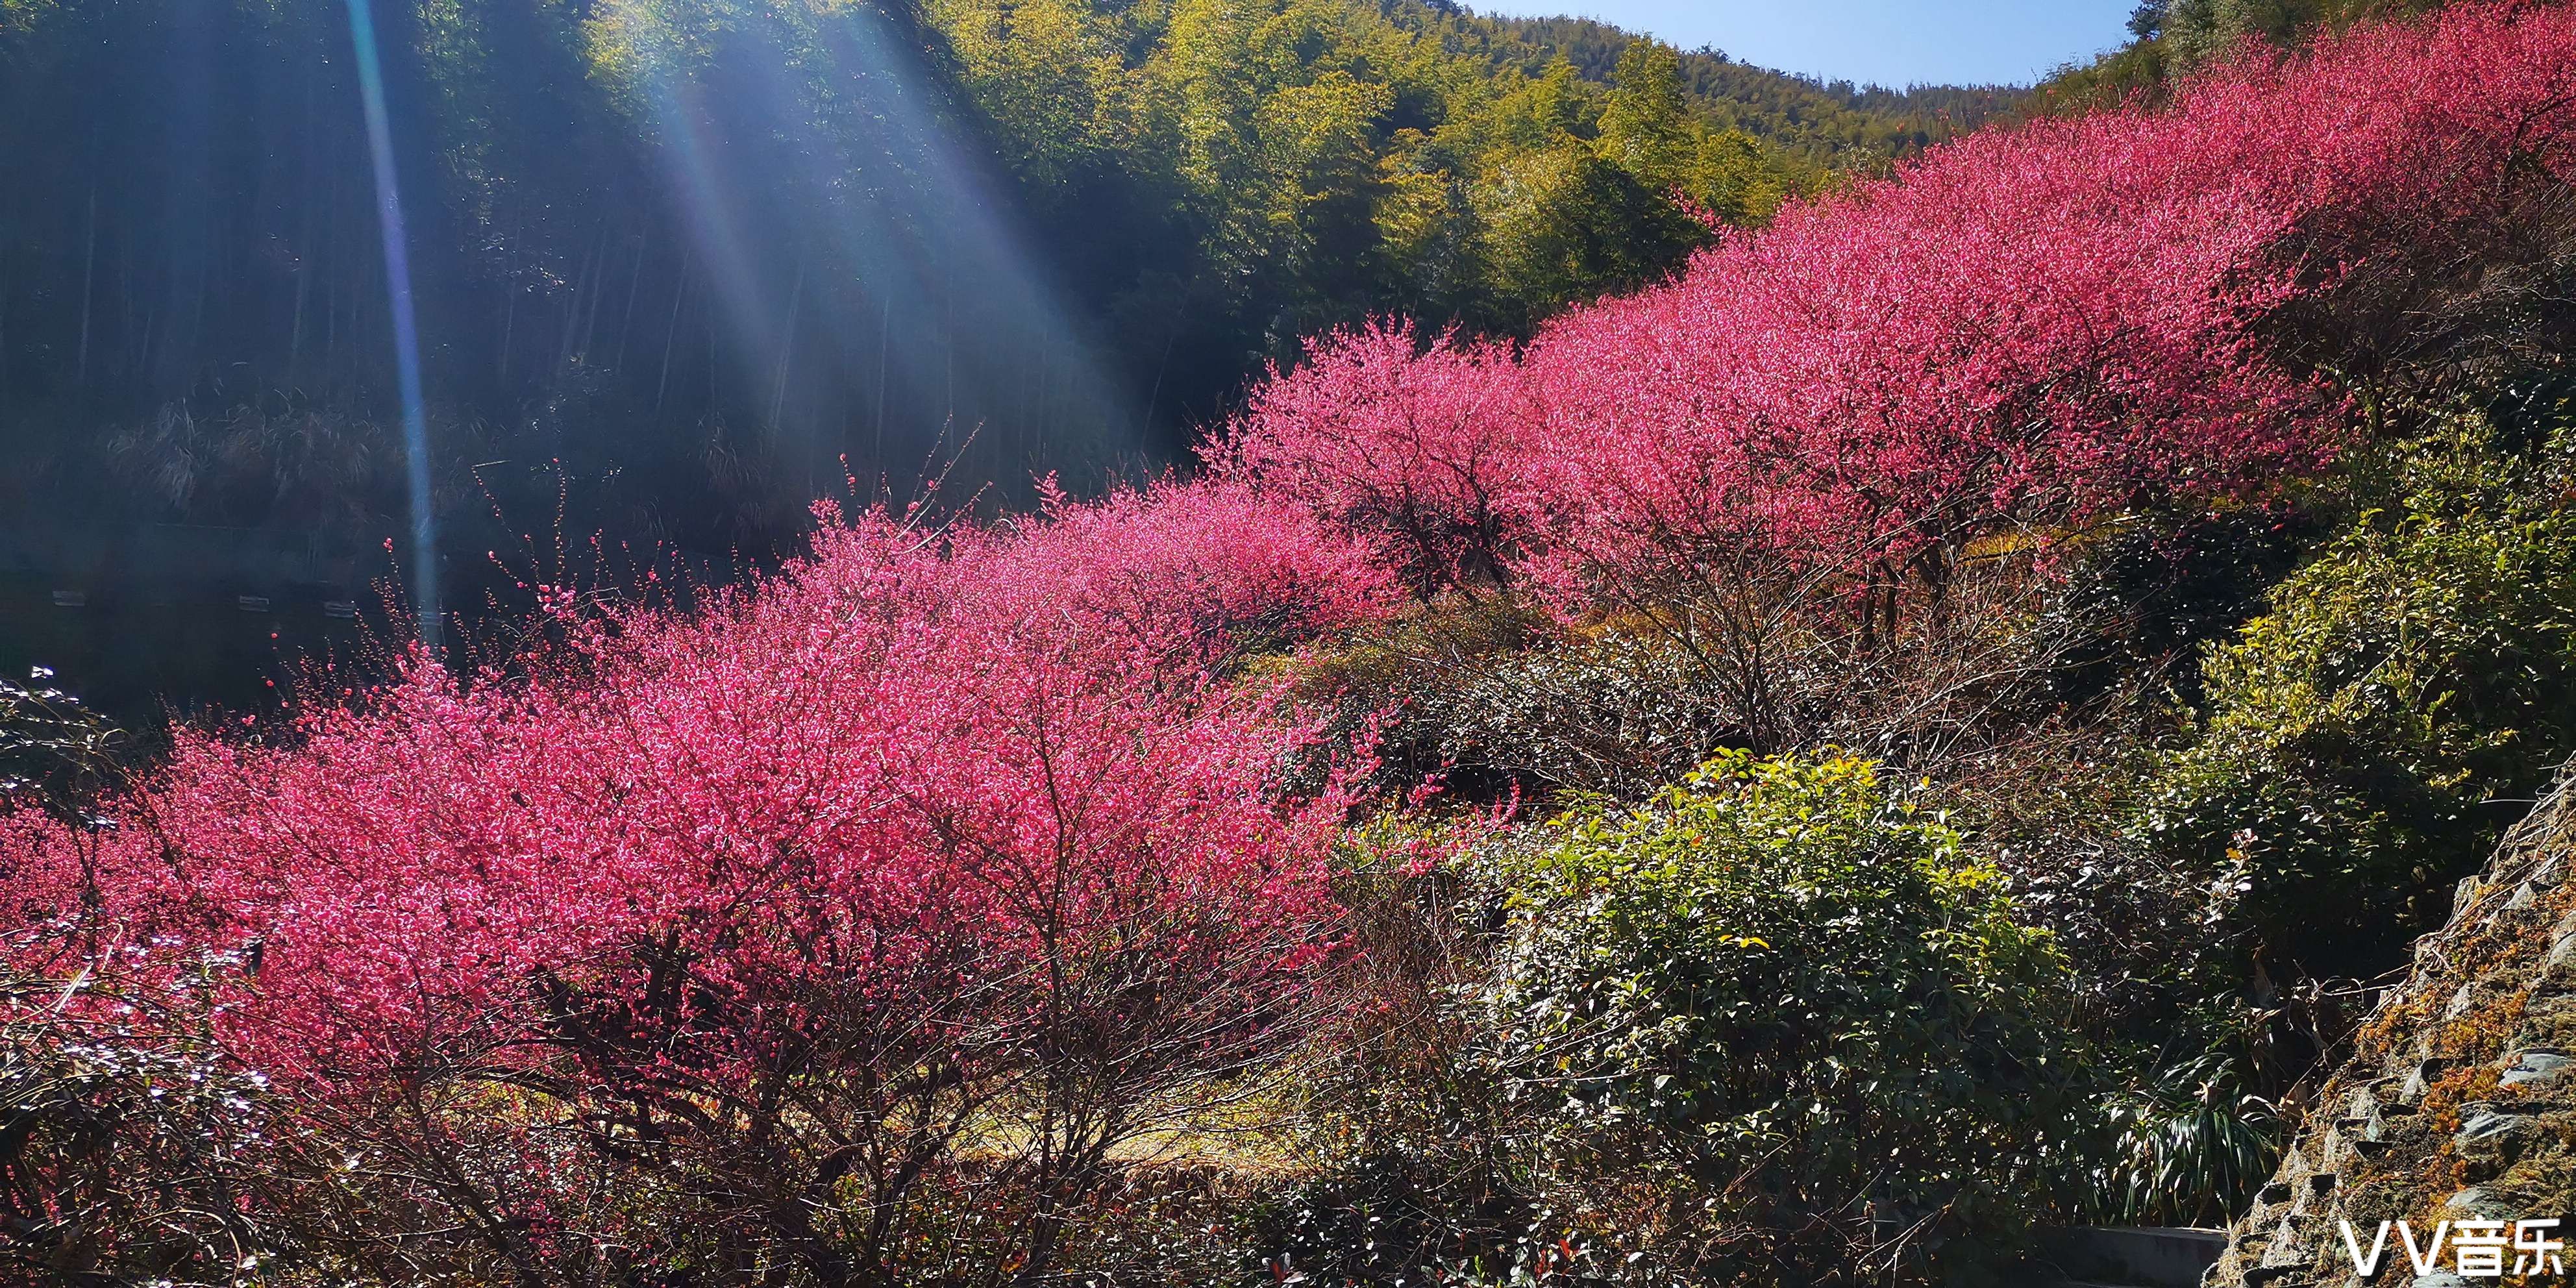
932	777
1206	570
1425	447
2026	327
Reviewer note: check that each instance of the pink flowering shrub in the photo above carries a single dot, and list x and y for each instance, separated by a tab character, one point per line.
794	898
2023	330
1426	450
1211	568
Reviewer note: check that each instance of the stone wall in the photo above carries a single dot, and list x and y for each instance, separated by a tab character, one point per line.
2459	1098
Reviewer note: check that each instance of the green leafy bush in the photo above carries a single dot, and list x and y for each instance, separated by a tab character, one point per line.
1799	1010
2186	1144
2404	698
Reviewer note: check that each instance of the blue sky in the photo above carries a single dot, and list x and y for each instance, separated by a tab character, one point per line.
1891	42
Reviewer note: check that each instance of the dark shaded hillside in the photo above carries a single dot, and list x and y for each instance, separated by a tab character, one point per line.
703	253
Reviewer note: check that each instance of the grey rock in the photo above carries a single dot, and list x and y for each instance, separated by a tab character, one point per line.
2539	1064
2481	1122
2547	874
2421	1080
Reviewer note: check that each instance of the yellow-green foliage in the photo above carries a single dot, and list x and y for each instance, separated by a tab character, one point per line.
2402	701
19	20
1784	993
22	15
1352	148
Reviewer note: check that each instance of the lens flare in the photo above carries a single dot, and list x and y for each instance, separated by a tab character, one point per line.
406	329
815	140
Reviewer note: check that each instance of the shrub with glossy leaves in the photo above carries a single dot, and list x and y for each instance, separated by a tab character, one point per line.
122	1133
2399	705
1796	1008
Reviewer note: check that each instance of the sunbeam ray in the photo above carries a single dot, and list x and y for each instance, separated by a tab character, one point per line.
406	330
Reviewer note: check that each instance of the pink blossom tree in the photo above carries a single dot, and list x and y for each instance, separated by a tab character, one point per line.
880	884
2018	336
1420	446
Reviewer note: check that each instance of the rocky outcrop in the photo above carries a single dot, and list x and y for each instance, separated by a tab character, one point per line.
2459	1099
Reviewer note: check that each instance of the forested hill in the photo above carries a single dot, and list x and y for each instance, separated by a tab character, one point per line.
2172	38
701	251
1832	122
